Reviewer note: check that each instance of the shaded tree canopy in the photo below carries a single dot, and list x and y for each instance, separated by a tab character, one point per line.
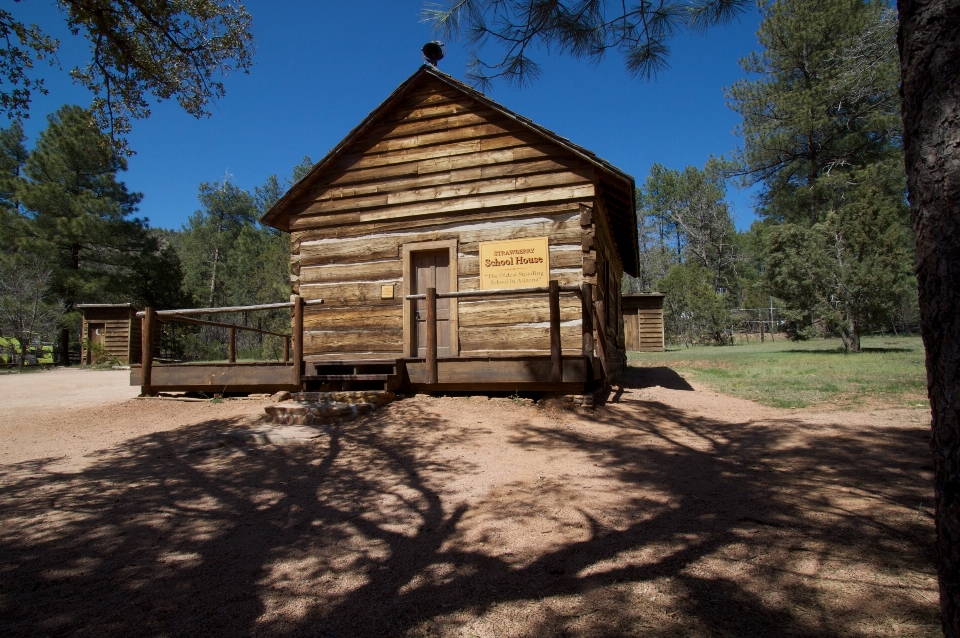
585	29
167	49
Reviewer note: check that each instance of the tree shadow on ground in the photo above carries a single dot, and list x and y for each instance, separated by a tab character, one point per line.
373	532
649	377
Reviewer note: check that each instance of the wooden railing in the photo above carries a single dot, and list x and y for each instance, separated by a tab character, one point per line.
584	291
151	317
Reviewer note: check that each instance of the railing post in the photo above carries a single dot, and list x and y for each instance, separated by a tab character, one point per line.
297	341
586	319
146	352
556	354
232	345
432	375
286	349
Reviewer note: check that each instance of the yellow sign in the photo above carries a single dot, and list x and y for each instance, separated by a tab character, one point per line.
520	263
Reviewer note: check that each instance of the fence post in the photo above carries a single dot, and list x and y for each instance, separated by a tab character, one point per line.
586	318
298	341
556	354
286	349
146	352
432	374
232	345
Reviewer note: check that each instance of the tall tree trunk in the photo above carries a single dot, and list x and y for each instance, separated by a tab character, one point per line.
929	40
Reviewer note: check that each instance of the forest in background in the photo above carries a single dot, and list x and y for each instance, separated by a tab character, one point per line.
70	235
831	253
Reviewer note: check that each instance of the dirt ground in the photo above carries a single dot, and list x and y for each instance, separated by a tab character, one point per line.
671	511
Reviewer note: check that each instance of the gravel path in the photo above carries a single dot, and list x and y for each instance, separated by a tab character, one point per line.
671	511
49	390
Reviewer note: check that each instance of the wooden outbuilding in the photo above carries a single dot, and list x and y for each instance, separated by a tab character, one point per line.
113	329
457	245
643	322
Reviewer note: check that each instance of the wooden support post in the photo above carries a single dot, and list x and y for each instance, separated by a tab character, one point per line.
232	345
586	317
432	374
286	349
556	354
298	341
146	352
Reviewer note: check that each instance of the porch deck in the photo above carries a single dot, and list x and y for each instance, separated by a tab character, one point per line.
491	374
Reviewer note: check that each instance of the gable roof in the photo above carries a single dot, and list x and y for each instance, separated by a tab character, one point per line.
624	220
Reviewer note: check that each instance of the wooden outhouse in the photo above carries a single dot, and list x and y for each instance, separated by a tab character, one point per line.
113	329
442	189
643	322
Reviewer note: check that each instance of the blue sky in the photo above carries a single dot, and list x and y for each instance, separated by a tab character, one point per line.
320	67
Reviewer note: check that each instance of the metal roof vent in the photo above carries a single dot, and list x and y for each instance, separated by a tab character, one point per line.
433	52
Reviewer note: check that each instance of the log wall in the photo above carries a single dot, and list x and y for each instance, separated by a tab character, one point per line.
439	166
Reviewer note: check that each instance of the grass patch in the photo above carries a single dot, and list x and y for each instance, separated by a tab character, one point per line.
788	374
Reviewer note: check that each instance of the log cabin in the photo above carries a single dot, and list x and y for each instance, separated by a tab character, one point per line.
447	226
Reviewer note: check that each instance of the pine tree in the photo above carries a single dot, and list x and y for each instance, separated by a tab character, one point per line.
825	102
77	214
13	157
209	236
821	129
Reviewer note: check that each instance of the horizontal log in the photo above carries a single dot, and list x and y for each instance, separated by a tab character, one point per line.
495	293
406	182
363	160
418	141
345	342
363	318
428	91
227	309
217	324
556	194
515	337
433	194
347	294
321	357
498	371
363	271
432	166
553	222
500	311
444	120
217	378
440	108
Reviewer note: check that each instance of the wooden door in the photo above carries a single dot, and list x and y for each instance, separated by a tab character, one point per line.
631	329
96	336
431	269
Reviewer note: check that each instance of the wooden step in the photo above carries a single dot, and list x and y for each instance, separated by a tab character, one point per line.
347	377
